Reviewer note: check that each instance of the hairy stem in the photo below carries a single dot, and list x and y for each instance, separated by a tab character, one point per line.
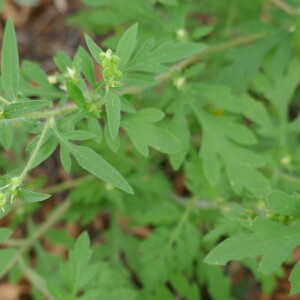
36	235
286	8
35	279
4	101
238	42
35	152
295	181
52	113
13	243
66	185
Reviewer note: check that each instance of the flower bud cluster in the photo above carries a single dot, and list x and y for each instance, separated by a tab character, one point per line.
111	74
2	201
9	191
72	75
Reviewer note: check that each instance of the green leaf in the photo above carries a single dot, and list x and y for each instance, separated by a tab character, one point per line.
222	144
201	32
113	112
149	115
65	158
10	62
48	146
5	256
152	61
89	160
6	134
161	214
29	196
218	283
20	109
86	65
5	234
284	204
245	62
76	273
63	61
279	88
113	144
167	250
273	241
143	134
95	128
179	128
255	111
116	293
126	45
186	289
76	95
295	279
79	259
161	292
78	135
36	83
96	165
95	50
166	2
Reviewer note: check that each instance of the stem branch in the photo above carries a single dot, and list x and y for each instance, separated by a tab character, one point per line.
36	235
35	279
66	185
4	101
240	41
35	152
286	8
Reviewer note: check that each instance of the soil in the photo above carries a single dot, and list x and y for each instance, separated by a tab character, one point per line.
42	30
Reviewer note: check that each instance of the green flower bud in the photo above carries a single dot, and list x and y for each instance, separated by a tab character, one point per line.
115	59
2	201
111	74
102	55
72	75
118	74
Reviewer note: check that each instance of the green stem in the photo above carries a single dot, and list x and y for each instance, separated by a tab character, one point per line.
52	113
178	227
13	243
295	181
36	235
283	177
34	153
35	279
4	101
240	41
286	8
66	185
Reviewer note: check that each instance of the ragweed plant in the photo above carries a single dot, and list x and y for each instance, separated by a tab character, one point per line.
187	143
